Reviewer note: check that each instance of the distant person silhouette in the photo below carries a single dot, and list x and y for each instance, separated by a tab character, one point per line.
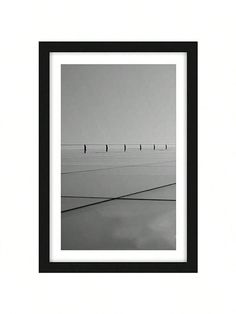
85	149
124	148
106	148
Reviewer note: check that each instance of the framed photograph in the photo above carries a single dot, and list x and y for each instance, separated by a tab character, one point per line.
118	157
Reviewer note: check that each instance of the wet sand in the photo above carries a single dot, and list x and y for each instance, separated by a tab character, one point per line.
118	200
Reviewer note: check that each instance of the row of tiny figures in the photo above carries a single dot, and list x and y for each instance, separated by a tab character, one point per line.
125	147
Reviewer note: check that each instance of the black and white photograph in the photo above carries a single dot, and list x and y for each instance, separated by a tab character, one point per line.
118	157
121	193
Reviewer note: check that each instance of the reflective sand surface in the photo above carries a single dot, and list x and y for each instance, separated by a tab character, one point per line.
118	201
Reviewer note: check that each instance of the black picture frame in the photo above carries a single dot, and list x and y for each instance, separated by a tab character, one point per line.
45	265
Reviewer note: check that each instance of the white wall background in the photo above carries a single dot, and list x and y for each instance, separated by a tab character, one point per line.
23	24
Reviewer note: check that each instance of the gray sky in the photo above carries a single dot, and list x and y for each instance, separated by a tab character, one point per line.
118	103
